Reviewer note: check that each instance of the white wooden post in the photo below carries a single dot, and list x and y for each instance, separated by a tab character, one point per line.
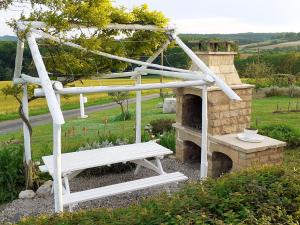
26	132
138	112
58	203
19	59
204	164
82	100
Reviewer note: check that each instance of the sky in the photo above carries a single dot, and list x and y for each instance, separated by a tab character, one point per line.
210	16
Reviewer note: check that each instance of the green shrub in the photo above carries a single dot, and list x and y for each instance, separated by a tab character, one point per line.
160	126
168	140
120	117
12	179
268	195
283	133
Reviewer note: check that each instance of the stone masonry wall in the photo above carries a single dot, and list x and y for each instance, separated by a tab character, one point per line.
224	116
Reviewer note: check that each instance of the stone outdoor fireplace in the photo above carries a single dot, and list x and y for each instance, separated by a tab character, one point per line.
192	111
226	118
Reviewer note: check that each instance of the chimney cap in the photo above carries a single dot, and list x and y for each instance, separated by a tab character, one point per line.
213	45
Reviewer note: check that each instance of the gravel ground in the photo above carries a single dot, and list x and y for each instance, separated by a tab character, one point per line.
13	211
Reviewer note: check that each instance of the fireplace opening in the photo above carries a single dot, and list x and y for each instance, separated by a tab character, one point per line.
192	154
221	164
192	111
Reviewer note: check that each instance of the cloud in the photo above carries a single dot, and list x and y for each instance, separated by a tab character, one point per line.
226	25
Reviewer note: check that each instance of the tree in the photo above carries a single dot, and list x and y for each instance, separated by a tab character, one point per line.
16	91
61	16
257	71
121	97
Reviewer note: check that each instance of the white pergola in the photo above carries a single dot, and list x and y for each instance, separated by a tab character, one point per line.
59	165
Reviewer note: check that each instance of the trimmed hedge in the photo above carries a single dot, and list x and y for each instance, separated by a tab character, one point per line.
269	195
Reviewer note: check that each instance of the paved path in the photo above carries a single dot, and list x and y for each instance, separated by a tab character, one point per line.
13	125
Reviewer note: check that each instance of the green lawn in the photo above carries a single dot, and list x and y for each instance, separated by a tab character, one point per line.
95	125
262	112
87	130
9	110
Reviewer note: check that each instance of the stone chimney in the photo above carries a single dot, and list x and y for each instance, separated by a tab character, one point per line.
219	57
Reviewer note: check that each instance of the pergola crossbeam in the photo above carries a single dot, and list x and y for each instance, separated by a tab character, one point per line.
104	54
112	26
100	89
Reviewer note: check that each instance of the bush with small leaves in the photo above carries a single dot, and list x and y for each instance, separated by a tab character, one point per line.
283	133
12	178
160	126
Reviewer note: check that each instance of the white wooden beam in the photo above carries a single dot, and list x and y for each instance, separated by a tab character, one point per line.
57	178
204	163
100	89
52	102
219	82
19	59
104	54
119	75
184	76
26	132
138	112
112	26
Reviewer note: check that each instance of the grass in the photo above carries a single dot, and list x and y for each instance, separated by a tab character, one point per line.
76	132
262	112
9	110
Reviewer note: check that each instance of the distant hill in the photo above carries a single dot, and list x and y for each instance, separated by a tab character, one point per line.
249	42
241	38
8	38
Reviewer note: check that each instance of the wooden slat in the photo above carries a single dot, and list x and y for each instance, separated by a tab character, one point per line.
106	156
120	188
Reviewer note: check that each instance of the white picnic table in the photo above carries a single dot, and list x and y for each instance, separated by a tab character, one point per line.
75	162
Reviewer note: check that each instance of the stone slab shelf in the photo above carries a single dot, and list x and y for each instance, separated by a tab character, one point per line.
231	141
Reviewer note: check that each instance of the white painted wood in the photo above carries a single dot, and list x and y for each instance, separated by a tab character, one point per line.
184	76
26	132
99	89
19	59
115	26
123	188
104	54
29	79
53	105
106	156
119	75
138	113
57	165
204	163
81	103
147	164
219	82
57	184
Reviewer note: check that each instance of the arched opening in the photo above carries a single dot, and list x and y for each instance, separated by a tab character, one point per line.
192	154
192	111
221	164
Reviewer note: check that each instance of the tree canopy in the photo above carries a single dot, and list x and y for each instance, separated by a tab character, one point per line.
64	16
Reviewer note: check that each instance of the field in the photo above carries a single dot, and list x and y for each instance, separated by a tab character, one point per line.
77	132
9	109
269	45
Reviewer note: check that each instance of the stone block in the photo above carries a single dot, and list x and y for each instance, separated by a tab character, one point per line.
169	105
26	194
45	189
